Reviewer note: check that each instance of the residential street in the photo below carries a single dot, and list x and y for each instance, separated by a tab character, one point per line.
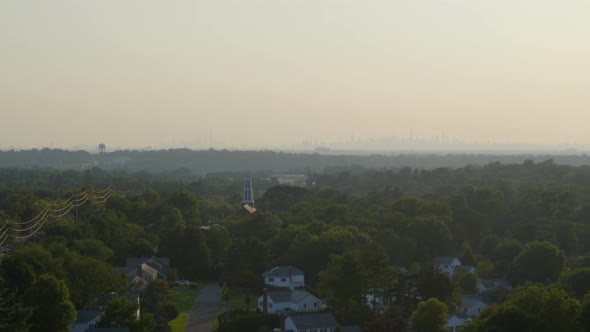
205	309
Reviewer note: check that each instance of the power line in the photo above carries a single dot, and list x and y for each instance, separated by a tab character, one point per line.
54	211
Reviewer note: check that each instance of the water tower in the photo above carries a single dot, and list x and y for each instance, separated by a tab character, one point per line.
101	148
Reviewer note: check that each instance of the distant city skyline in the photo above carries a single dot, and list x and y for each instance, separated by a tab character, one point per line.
278	73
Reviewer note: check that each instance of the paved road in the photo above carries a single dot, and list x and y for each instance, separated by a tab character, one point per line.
205	309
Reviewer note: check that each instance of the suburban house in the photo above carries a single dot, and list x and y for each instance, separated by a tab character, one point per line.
472	305
455	323
284	276
324	322
160	264
139	273
289	300
140	270
446	264
485	285
86	319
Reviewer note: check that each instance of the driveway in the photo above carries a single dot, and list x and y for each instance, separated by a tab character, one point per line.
205	309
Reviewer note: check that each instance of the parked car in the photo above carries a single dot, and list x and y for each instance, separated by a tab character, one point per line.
182	282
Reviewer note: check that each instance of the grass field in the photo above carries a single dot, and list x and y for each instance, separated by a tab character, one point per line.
183	297
179	324
237	302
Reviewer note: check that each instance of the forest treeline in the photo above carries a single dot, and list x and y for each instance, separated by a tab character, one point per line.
202	162
353	232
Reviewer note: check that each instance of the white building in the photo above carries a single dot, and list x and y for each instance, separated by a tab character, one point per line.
455	323
289	300
473	305
285	277
446	264
323	322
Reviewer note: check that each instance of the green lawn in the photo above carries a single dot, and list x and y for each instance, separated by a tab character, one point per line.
179	324
183	297
237	302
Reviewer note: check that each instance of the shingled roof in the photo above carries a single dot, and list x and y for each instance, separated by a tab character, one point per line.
160	264
84	316
282	271
444	260
314	321
293	296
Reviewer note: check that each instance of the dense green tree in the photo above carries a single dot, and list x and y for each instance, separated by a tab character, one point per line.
13	316
432	283
89	278
154	301
187	204
576	282
429	316
532	308
122	312
51	308
538	262
466	281
584	317
432	234
344	293
94	248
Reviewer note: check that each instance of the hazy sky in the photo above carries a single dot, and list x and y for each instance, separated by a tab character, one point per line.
269	72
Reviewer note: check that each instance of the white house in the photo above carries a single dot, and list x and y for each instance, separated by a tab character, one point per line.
86	319
284	276
324	322
456	322
446	264
289	300
472	305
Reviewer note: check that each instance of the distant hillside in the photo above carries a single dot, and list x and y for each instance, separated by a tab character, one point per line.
213	161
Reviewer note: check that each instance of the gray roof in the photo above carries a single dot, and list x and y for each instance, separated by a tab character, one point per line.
458	315
282	271
84	316
444	260
293	296
314	321
161	264
495	283
470	300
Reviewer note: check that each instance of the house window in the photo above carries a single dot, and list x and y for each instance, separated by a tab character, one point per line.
270	279
304	305
284	279
315	304
269	303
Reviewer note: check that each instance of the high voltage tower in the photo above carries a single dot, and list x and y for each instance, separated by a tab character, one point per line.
13	232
